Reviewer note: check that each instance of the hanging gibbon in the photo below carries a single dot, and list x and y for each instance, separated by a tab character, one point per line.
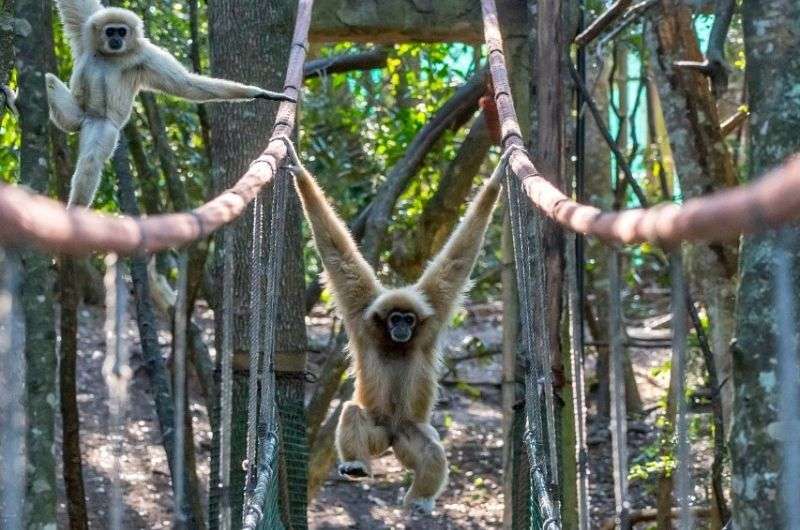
113	61
394	338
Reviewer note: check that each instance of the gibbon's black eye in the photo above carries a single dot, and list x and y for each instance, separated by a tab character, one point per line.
110	32
395	319
122	32
410	319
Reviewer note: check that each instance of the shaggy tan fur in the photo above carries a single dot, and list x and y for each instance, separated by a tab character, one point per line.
395	384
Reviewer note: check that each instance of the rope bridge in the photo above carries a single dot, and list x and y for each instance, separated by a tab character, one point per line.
31	220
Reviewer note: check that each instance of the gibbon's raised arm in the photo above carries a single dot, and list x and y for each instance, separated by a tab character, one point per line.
349	276
74	14
164	73
447	276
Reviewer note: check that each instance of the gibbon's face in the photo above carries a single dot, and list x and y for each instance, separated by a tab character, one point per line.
400	326
115	38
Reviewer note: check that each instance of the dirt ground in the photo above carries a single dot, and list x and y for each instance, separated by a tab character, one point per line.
467	417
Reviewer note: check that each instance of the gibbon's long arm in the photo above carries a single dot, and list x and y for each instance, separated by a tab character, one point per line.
350	277
74	14
163	73
446	277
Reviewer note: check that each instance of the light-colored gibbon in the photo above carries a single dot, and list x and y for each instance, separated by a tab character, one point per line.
113	61
394	338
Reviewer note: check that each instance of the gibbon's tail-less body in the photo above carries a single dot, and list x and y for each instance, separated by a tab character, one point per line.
394	338
113	61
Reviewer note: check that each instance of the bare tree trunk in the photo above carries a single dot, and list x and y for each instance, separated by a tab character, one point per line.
37	284
772	69
244	33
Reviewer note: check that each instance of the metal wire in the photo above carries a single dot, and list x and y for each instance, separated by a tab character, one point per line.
679	330
179	390
789	396
12	382
619	416
226	390
117	374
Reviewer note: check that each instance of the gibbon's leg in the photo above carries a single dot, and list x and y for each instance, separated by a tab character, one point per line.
64	110
98	140
358	438
418	447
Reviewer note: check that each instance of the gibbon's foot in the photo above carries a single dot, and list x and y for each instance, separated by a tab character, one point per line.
353	469
422	505
275	96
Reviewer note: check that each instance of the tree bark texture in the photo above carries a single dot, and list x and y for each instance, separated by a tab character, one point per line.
773	84
37	284
250	42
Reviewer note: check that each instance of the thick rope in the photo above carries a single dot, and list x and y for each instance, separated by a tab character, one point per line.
117	374
226	384
619	413
12	402
179	390
789	376
679	330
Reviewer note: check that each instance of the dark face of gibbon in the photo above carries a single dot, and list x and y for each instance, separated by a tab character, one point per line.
399	326
115	39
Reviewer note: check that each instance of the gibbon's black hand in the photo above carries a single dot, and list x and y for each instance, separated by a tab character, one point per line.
275	96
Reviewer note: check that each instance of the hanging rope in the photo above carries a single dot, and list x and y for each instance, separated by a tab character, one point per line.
12	402
117	374
179	390
578	388
789	377
619	414
535	386
226	390
679	330
256	346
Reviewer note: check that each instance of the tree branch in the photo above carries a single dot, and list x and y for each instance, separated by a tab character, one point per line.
366	60
450	116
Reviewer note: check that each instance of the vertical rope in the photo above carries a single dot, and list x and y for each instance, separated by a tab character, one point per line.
117	374
226	390
12	409
679	330
179	390
578	398
534	381
274	262
619	423
255	342
789	397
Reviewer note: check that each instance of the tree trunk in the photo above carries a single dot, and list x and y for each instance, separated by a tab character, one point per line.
243	34
37	284
773	71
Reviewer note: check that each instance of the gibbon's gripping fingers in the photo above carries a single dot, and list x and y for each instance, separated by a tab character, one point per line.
97	142
292	162
74	14
418	448
9	99
275	96
65	111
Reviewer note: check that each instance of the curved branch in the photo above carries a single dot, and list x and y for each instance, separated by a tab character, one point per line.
367	60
